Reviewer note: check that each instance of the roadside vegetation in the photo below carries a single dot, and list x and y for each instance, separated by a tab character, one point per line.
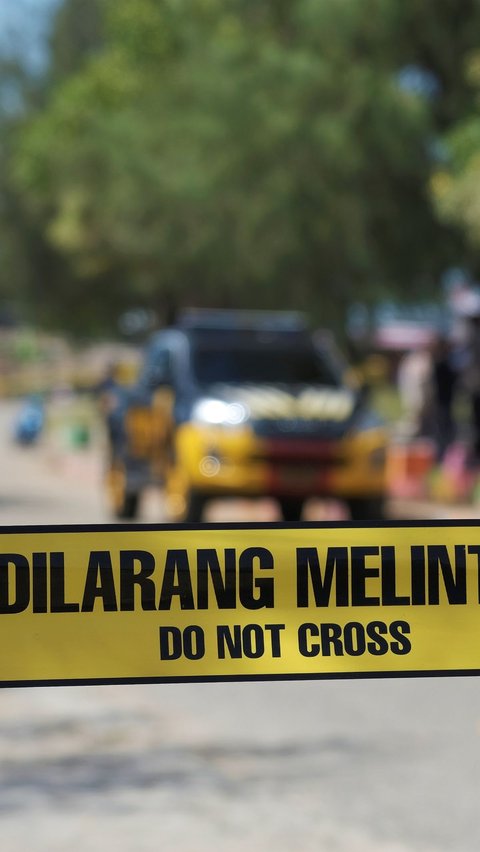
234	153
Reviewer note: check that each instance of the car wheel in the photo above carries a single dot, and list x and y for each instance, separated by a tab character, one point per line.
129	509
367	508
291	508
124	504
194	507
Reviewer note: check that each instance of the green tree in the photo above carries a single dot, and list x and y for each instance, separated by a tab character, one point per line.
34	276
243	153
456	182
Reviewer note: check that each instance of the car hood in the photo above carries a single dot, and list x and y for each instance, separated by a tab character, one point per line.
283	402
303	410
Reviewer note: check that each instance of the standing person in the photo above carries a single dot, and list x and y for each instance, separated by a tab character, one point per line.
427	382
414	382
444	379
110	395
471	373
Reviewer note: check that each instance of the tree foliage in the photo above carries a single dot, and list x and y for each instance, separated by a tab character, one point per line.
232	152
456	183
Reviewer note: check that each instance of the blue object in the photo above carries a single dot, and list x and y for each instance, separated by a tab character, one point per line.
30	422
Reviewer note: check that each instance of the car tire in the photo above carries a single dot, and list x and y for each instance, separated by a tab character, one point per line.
367	508
195	503
128	511
291	508
124	504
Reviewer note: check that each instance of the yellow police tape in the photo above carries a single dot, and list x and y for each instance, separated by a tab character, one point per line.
241	601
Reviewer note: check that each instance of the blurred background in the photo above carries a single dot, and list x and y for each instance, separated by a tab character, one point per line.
319	156
316	155
309	155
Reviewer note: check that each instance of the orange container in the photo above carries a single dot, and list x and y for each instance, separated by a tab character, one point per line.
408	467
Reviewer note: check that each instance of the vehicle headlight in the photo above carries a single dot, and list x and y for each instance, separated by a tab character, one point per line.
216	412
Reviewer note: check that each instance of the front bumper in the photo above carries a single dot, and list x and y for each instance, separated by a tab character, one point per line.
222	462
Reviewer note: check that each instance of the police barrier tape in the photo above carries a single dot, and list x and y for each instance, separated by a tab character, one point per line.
143	603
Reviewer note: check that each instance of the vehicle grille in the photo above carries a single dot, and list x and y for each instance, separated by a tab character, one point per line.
301	453
300	428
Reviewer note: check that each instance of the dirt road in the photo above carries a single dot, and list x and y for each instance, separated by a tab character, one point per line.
371	766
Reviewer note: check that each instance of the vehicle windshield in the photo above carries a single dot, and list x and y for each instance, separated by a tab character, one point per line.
257	364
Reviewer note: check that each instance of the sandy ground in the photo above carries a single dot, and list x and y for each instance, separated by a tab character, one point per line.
367	766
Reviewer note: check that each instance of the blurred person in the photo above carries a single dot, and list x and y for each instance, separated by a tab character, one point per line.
470	373
414	384
109	394
427	382
444	382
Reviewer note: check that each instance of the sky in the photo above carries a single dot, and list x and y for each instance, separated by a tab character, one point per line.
23	27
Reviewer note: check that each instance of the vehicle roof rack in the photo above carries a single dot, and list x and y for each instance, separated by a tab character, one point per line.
225	319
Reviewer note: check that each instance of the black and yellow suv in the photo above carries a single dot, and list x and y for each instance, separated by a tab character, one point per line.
250	404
